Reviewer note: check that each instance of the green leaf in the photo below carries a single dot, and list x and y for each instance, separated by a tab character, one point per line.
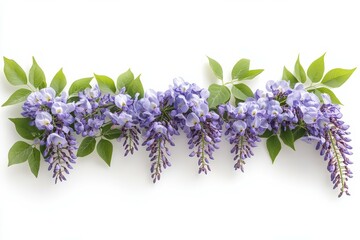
241	91
337	77
106	84
218	95
34	161
135	87
19	153
298	133
124	79
288	138
251	74
273	146
58	83
80	85
299	71
316	69
24	128
37	76
112	134
14	73
317	93
105	149
17	97
267	134
332	95
109	132
240	69
287	75
216	68
86	147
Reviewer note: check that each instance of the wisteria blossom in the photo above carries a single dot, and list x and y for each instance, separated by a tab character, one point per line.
158	117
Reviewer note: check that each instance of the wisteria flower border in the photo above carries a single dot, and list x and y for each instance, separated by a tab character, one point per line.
300	106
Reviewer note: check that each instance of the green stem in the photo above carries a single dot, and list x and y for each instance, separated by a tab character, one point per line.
31	87
203	163
338	161
130	140
158	164
313	86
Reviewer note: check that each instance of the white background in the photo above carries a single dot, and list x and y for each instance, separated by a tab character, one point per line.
292	199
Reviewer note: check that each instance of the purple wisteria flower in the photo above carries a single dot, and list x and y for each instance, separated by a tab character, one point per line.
53	115
124	118
331	135
153	113
202	126
160	115
322	124
91	111
245	123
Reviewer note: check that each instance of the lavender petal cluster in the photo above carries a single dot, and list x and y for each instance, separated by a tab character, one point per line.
160	115
53	115
244	124
201	126
153	113
91	111
123	117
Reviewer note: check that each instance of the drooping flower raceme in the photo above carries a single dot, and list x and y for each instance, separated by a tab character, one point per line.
160	115
54	116
202	127
153	113
245	123
281	108
123	117
91	111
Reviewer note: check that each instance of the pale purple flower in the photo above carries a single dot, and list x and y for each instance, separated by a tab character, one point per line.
43	121
55	140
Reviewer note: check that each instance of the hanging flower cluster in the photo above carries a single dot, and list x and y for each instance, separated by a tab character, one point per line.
287	110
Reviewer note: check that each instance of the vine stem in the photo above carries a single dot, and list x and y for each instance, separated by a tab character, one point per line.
158	164
338	161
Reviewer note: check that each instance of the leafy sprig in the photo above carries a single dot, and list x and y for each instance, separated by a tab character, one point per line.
220	93
29	150
315	80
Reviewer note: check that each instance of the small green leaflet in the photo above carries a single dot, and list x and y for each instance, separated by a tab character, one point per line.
124	79
337	77
316	69
251	74
105	149
299	71
218	95
14	73
298	133
287	75
106	84
110	133
58	83
37	76
19	153
24	128
332	95
288	138
34	161
273	146
135	87
216	68
267	134
18	96
240	69
86	147
80	85
241	91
